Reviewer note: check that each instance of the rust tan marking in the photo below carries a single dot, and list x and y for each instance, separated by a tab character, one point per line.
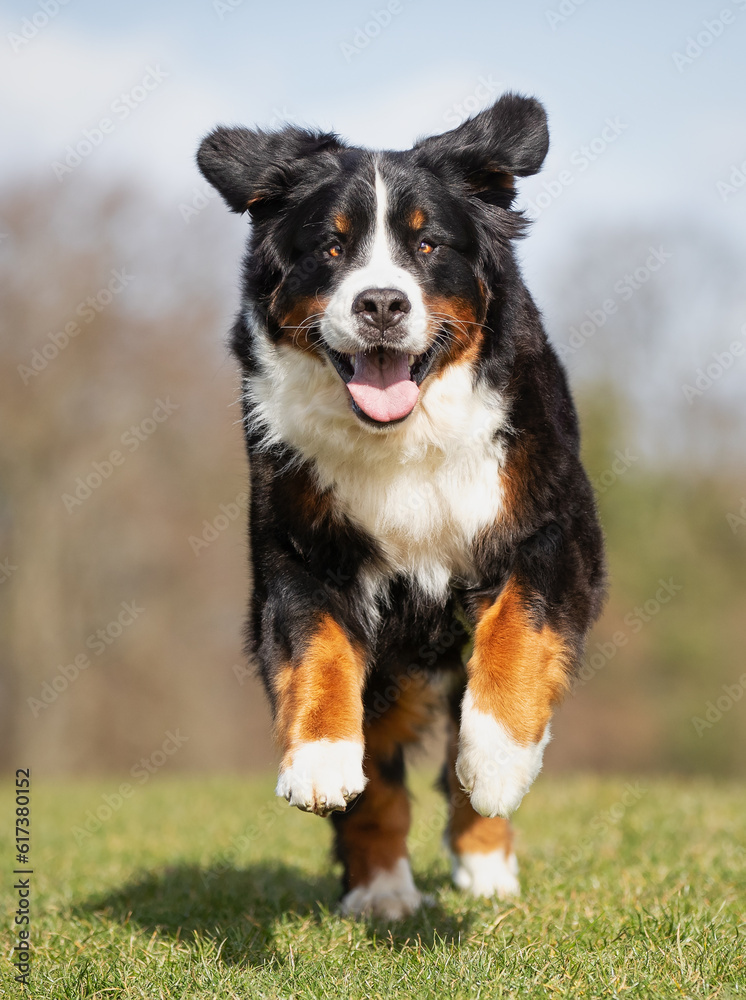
372	836
517	483
342	223
256	197
517	673
463	325
468	832
320	697
296	325
406	720
302	497
417	219
491	178
506	182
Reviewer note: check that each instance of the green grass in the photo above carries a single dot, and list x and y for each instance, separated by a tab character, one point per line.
211	888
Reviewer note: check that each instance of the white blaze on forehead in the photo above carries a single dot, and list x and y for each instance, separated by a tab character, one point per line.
380	261
378	270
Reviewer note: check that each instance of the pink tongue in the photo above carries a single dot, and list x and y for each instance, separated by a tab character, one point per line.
381	385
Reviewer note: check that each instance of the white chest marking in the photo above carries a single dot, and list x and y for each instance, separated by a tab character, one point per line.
425	493
423	489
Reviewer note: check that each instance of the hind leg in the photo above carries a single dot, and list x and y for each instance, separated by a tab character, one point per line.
481	848
371	837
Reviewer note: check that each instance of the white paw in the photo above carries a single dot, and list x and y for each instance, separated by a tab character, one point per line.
493	768
391	895
491	874
323	776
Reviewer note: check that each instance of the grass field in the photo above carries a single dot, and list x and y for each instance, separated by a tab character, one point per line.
212	888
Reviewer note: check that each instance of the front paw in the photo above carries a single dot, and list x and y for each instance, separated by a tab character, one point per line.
493	768
322	776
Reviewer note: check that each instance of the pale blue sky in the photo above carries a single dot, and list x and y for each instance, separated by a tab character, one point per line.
257	62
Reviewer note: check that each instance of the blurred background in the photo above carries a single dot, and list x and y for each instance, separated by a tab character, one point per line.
122	474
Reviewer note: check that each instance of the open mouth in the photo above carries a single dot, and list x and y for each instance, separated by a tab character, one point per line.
384	384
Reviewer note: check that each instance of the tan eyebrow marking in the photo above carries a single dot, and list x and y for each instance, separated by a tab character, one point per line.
417	219
342	223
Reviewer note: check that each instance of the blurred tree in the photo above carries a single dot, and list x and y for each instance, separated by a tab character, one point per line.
642	310
635	314
121	441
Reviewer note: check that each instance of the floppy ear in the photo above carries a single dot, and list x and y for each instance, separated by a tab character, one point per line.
509	139
250	167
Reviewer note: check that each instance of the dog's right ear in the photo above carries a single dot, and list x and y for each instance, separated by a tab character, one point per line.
252	168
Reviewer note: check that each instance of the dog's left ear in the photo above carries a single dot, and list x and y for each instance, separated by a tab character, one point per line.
507	140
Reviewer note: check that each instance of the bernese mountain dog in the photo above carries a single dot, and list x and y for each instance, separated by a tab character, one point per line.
421	526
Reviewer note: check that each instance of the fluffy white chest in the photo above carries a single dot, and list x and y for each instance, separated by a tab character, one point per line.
424	512
423	489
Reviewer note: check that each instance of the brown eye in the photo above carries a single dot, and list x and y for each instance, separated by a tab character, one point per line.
335	250
425	247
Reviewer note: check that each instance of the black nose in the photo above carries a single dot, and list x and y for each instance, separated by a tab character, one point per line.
381	308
